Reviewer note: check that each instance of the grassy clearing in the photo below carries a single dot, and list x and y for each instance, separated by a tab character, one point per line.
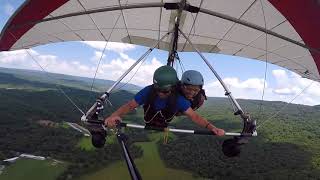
33	169
150	166
85	144
65	125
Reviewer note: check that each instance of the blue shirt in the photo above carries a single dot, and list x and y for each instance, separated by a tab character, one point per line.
141	97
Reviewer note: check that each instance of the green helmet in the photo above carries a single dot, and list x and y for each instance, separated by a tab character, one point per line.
192	77
165	77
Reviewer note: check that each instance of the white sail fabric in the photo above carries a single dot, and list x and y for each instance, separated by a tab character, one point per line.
144	26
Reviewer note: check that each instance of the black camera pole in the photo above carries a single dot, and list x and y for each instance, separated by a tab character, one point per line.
134	173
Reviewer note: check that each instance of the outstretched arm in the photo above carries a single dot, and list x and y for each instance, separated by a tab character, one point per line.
123	110
203	122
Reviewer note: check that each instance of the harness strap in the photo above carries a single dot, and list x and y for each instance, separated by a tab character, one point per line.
160	117
165	135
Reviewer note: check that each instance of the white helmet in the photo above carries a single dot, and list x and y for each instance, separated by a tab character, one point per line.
192	77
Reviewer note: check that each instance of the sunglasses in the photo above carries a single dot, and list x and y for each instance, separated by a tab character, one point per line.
193	89
164	91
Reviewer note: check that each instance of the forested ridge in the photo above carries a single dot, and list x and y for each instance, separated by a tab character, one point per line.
287	146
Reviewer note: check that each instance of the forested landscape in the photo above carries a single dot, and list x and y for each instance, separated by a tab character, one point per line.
287	146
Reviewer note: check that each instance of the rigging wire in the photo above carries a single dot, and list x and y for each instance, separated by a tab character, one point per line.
192	26
233	106
260	112
124	20
275	114
177	68
181	64
95	74
46	72
266	62
57	86
265	77
105	47
124	84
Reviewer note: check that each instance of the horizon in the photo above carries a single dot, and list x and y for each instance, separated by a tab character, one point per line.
224	97
244	77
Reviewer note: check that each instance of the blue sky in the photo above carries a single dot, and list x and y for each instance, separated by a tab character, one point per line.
243	76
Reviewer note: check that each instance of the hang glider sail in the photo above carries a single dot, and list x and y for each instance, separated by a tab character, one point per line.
229	27
279	32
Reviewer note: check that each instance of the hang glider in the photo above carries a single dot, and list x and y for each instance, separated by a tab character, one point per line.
285	33
236	28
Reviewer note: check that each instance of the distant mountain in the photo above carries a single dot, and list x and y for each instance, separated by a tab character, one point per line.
287	145
36	77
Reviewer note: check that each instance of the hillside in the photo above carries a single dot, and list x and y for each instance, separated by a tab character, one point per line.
287	146
36	77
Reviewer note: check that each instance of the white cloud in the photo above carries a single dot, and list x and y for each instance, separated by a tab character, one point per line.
117	67
10	57
253	83
284	91
247	89
281	77
110	70
314	89
112	46
97	56
22	59
8	9
287	86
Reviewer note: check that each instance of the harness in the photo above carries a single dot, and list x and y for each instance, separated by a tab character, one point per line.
159	118
197	101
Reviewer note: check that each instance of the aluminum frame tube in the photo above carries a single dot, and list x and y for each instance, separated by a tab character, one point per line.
105	95
106	9
134	173
137	62
256	27
228	93
187	131
161	4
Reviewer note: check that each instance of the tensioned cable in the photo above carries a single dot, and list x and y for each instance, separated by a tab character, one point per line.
103	38
176	68
266	62
159	25
104	49
58	87
265	76
193	26
124	21
62	91
178	60
108	40
265	70
231	27
68	27
92	20
133	74
233	106
181	65
142	58
274	115
95	74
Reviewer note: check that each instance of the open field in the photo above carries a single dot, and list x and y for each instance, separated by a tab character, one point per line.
29	169
150	166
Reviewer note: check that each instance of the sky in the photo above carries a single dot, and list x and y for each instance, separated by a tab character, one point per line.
244	77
